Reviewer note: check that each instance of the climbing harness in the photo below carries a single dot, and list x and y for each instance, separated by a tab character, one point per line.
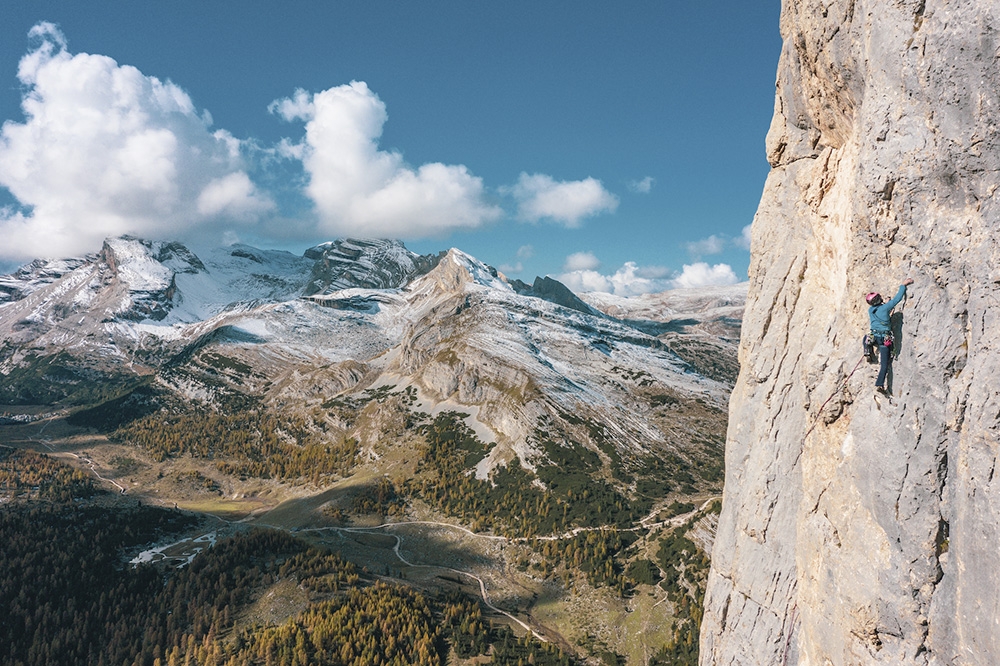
872	341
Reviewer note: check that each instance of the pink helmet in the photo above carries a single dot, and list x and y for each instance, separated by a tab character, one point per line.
873	298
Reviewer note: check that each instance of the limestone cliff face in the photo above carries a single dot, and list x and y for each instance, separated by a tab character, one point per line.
850	533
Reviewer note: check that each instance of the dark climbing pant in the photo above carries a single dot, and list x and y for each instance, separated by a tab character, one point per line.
884	361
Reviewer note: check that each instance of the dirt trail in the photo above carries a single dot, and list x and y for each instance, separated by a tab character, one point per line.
643	524
482	584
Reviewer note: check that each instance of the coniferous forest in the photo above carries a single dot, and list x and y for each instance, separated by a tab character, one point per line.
70	596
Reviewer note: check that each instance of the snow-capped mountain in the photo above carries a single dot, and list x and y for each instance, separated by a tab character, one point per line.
350	315
371	264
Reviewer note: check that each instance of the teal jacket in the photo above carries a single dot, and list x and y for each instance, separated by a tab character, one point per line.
878	315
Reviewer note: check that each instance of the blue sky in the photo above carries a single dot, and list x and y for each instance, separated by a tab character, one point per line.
611	144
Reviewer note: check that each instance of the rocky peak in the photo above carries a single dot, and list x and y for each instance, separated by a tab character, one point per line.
369	264
178	258
554	292
147	269
35	275
456	273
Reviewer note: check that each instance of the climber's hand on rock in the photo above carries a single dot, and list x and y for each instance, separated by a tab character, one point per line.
908	281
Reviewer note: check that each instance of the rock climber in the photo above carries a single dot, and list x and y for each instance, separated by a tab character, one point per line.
881	330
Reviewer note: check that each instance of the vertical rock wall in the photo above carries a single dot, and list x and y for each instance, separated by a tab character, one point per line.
853	533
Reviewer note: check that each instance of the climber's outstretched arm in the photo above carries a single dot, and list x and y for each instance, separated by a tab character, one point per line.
899	294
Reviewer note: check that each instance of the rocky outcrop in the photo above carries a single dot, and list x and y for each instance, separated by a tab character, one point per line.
369	264
854	532
554	292
147	270
34	276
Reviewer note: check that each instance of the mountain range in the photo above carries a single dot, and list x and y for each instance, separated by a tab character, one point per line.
280	389
357	314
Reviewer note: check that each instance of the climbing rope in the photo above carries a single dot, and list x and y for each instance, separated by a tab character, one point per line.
839	388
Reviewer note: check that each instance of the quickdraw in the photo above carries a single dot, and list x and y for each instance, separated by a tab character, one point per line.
872	341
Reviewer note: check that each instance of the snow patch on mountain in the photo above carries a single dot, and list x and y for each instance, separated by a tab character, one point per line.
134	264
366	263
34	276
663	306
235	277
453	328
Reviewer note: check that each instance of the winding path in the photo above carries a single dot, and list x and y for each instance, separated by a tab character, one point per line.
93	468
643	524
408	522
90	463
399	541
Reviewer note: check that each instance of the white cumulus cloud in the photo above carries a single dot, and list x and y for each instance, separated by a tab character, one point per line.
105	150
701	274
714	244
541	197
629	280
718	243
744	240
633	280
517	266
585	281
233	195
359	189
511	269
581	261
643	186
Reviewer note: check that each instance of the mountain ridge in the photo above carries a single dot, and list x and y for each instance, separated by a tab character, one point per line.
459	330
